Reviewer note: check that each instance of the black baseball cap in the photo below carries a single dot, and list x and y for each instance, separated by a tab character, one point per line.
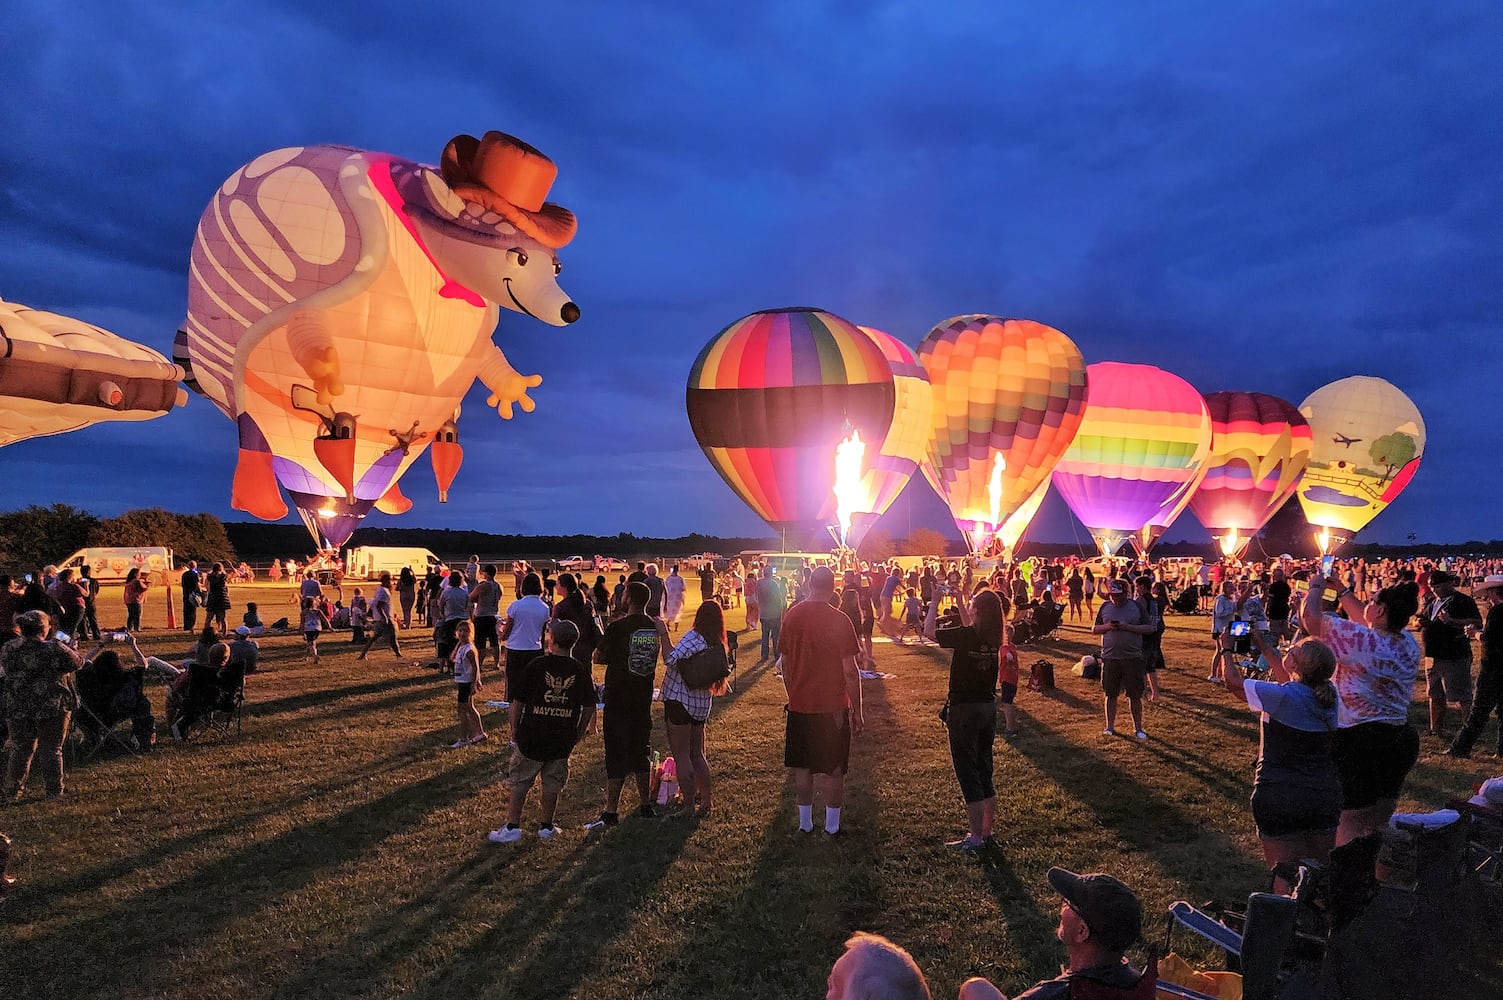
1110	909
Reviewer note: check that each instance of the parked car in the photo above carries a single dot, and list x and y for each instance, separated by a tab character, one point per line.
576	563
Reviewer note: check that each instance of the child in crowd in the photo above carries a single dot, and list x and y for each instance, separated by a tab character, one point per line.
252	620
1007	683
359	615
466	682
913	615
314	621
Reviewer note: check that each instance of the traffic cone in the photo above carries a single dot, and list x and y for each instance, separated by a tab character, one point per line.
171	616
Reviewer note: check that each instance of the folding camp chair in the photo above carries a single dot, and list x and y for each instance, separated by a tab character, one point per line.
1262	951
91	734
215	698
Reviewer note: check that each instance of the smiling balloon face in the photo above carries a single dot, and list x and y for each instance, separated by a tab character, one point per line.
1009	395
1368	438
1142	445
771	397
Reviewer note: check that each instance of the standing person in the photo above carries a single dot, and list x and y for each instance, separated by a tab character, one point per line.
1443	625
1122	624
40	694
70	598
383	621
1223	613
1153	598
89	625
974	638
136	587
217	601
686	709
1489	691
485	607
1296	796
866	614
706	581
523	632
407	594
454	607
1377	662
1088	591
192	596
601	598
467	681
753	608
572	605
818	650
1075	592
656	589
1278	594
472	572
673	598
314	622
551	711
771	600
630	651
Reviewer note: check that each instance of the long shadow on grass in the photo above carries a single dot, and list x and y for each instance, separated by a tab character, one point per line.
310	699
1139	814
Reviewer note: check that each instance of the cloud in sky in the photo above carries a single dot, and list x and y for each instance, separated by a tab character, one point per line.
1260	196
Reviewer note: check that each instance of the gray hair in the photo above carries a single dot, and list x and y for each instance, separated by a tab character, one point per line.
880	970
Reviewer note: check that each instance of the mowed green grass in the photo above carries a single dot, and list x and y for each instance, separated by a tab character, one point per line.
337	848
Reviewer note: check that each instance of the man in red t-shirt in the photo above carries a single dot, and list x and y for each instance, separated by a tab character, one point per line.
818	650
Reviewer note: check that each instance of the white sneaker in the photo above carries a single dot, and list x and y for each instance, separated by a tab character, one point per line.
505	835
547	832
1108	731
1141	735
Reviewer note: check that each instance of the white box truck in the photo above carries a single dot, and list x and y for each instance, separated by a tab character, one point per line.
368	562
110	564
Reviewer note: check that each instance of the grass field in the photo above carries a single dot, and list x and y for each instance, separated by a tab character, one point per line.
337	848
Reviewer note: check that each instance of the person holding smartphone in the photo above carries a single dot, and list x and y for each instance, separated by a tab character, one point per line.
1122	624
40	695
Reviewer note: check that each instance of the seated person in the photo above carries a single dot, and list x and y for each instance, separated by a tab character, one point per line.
204	688
1099	920
252	620
245	649
112	693
341	616
873	968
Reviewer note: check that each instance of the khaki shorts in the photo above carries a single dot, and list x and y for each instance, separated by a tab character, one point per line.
524	771
1450	680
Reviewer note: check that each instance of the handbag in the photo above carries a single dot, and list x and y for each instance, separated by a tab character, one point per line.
705	668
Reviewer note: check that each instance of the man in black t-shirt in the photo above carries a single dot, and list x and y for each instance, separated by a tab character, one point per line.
707	582
1277	605
551	707
1443	623
630	650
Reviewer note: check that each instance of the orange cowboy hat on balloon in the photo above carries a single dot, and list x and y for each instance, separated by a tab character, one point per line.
512	178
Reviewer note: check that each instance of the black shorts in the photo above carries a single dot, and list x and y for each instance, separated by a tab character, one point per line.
465	690
818	741
1373	759
1284	812
486	635
676	714
628	739
867	626
311	636
1120	676
1007	691
516	659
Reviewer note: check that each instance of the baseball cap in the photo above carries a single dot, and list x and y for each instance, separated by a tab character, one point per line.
1117	587
1110	909
243	630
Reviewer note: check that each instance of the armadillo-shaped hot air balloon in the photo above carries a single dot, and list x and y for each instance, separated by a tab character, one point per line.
58	374
771	397
1009	395
340	304
1260	445
1145	437
1367	441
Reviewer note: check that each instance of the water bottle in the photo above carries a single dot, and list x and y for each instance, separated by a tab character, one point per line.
657	761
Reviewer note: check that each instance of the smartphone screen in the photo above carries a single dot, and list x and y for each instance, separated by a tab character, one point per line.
1327	563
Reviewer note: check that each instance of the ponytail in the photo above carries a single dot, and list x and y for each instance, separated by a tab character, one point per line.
1325	695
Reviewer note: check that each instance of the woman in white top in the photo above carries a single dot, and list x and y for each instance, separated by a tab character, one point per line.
466	683
1223	613
522	635
686	710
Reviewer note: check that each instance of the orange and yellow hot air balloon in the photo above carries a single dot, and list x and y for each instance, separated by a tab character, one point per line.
1142	445
770	399
1260	445
1008	398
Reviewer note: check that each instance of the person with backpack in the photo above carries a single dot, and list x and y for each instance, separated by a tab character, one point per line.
686	709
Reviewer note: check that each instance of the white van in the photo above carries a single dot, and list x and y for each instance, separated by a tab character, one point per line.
110	564
368	562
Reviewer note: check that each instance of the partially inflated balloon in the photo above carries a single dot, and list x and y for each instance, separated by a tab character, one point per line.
59	374
1368	438
1145	437
340	305
1260	445
1008	399
1011	532
771	397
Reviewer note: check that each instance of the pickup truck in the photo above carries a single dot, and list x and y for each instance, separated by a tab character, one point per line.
599	564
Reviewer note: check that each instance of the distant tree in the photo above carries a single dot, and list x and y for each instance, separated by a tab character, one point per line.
190	536
35	536
925	542
876	546
1393	451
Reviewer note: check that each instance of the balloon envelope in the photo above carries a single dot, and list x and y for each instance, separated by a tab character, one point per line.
59	374
1145	437
1367	441
905	445
771	396
1004	389
1260	445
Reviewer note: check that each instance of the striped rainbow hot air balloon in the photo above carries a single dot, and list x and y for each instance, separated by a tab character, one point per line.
1260	445
1008	399
1145	437
770	398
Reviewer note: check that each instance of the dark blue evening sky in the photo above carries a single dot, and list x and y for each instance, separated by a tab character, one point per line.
1263	196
